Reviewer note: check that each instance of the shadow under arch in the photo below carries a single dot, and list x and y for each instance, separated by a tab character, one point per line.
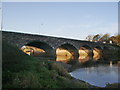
49	51
97	51
67	53
85	53
87	49
105	47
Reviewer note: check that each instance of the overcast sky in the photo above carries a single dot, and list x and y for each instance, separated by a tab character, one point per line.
61	19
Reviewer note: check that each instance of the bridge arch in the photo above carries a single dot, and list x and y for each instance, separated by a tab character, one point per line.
85	53
46	49
88	49
105	47
97	51
68	51
99	47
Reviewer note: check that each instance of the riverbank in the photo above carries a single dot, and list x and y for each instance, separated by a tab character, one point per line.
111	53
79	68
22	71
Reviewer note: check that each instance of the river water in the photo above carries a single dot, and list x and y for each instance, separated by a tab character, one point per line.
98	75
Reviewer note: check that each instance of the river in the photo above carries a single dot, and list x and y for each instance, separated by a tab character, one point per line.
98	75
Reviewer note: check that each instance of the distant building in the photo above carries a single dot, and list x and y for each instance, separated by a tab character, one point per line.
110	41
104	42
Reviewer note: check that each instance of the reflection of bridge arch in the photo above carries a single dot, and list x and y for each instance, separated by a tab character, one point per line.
49	51
72	49
67	50
97	51
86	49
85	53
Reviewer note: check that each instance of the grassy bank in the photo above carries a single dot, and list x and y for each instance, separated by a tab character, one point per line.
113	85
22	71
111	53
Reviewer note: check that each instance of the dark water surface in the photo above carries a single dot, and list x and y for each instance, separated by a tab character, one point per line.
98	75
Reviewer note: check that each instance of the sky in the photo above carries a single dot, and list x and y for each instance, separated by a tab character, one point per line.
74	20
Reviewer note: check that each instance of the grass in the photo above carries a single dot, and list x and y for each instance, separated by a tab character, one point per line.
22	71
113	85
111	53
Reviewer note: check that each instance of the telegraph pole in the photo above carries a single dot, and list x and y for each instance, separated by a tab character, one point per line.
1	8
1	46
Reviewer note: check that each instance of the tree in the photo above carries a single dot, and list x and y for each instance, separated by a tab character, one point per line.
115	39
89	37
105	37
96	37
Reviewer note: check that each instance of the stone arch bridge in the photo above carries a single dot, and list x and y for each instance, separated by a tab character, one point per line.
50	44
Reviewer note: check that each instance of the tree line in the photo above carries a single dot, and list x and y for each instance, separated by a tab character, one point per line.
105	38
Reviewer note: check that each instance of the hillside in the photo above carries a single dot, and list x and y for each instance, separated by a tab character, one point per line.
22	71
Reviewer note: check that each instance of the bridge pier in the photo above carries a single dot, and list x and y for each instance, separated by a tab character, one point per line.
91	54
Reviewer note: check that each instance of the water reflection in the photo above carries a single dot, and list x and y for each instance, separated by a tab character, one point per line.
99	75
83	56
33	51
64	58
63	55
97	54
83	59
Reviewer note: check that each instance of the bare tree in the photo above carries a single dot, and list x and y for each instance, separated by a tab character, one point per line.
96	37
105	37
89	37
